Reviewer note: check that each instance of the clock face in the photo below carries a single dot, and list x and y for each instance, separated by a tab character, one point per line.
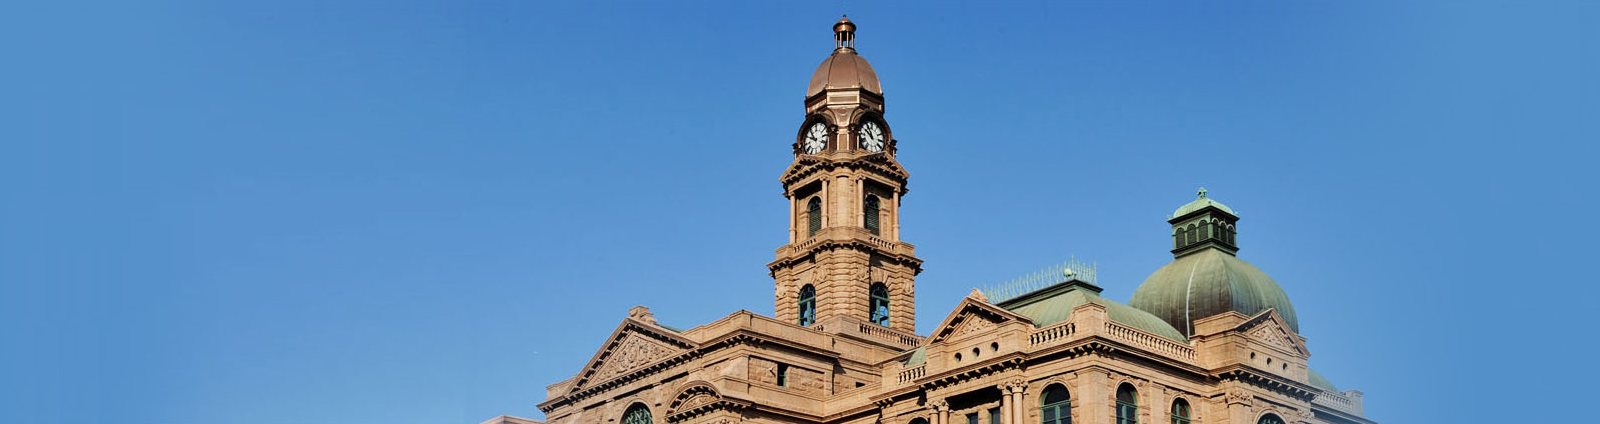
871	137
816	138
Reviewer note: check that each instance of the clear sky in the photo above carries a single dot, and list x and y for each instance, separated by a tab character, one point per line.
329	212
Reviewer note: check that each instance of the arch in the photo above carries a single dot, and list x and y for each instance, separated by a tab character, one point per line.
918	420
869	210
1177	238
637	413
1127	404
1269	418
1180	411
1205	230
692	395
1055	405
878	306
808	305
1192	235
813	216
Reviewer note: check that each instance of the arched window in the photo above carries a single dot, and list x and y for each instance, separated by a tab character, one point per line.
1193	235
1205	230
878	308
808	305
918	421
1270	419
1180	411
1177	239
1057	406
1127	404
870	210
814	215
637	414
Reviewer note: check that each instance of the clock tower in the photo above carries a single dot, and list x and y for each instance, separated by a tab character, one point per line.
845	264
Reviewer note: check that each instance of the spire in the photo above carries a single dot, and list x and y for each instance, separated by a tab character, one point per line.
844	34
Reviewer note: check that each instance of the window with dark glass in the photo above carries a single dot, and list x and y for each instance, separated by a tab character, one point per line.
994	415
1180	411
1057	407
870	210
1127	405
1270	419
879	304
972	418
783	375
637	414
814	216
808	305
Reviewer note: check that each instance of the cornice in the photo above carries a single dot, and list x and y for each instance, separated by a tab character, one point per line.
808	248
1269	382
881	163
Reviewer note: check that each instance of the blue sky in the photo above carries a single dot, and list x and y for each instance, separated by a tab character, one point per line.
412	212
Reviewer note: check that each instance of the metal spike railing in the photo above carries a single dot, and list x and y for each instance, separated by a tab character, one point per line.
1050	276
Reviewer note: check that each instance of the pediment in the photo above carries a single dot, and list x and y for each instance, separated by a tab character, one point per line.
972	316
1270	329
633	346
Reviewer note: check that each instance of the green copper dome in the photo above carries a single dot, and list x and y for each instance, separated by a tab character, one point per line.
1201	203
1209	282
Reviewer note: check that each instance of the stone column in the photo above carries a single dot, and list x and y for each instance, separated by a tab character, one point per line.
1019	414
792	230
861	196
894	215
1007	416
827	204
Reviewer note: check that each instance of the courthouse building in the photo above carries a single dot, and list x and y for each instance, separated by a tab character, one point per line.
1206	339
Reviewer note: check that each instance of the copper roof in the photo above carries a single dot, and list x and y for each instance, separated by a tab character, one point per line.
844	69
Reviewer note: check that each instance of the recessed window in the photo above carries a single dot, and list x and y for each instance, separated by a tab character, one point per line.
783	375
1127	404
975	352
994	347
637	414
870	214
808	305
1270	419
1180	412
972	418
879	304
958	357
1057	408
994	415
814	216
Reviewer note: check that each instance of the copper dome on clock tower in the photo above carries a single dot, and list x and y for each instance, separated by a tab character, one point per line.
844	68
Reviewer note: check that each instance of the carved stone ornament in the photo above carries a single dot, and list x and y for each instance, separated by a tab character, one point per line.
1238	397
1271	335
630	354
973	324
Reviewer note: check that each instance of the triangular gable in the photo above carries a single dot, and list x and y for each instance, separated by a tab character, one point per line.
973	316
633	345
1268	327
